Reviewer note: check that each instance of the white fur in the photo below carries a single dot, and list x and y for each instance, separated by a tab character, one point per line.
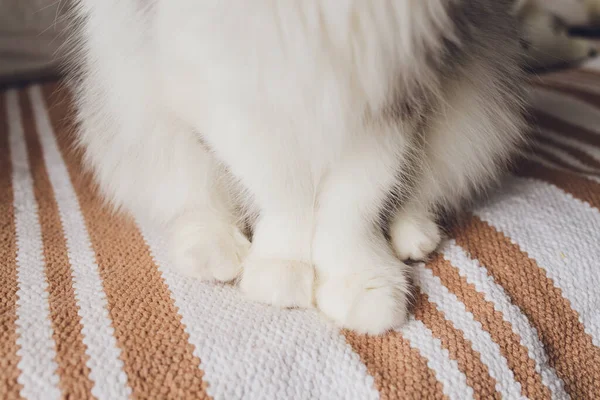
287	96
414	235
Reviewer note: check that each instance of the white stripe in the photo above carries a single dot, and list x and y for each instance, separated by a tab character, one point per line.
106	368
37	350
254	351
456	312
567	108
589	149
477	275
561	233
454	382
565	157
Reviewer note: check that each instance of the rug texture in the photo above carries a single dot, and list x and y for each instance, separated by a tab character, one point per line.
509	308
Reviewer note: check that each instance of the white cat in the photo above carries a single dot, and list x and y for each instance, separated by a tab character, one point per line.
317	121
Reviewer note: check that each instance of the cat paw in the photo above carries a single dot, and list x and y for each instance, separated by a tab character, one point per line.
414	238
211	253
365	303
282	283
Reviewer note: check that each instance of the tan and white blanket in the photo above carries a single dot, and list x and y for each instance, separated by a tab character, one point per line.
509	309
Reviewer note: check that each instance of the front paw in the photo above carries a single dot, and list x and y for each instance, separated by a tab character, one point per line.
282	283
211	252
369	301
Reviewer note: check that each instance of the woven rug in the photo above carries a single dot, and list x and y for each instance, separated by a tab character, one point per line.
510	308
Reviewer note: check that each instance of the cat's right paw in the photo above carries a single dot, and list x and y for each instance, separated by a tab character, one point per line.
209	252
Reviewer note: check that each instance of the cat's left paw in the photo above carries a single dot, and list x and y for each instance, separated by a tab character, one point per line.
372	302
282	283
414	238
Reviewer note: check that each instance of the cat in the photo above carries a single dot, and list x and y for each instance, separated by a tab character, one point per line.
317	123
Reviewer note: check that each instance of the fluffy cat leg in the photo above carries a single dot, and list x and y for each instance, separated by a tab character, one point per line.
150	165
278	269
206	239
467	146
361	284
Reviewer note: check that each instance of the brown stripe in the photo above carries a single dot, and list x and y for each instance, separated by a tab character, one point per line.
582	188
567	129
584	73
70	350
574	78
459	348
157	356
400	372
545	154
500	330
589	72
9	387
570	350
570	75
581	156
587	97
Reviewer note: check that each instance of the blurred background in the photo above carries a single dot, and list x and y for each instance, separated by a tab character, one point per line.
32	33
556	33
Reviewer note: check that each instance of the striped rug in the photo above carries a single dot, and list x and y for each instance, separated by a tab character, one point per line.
510	308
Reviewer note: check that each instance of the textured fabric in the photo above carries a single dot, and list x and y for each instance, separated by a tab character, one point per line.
509	308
